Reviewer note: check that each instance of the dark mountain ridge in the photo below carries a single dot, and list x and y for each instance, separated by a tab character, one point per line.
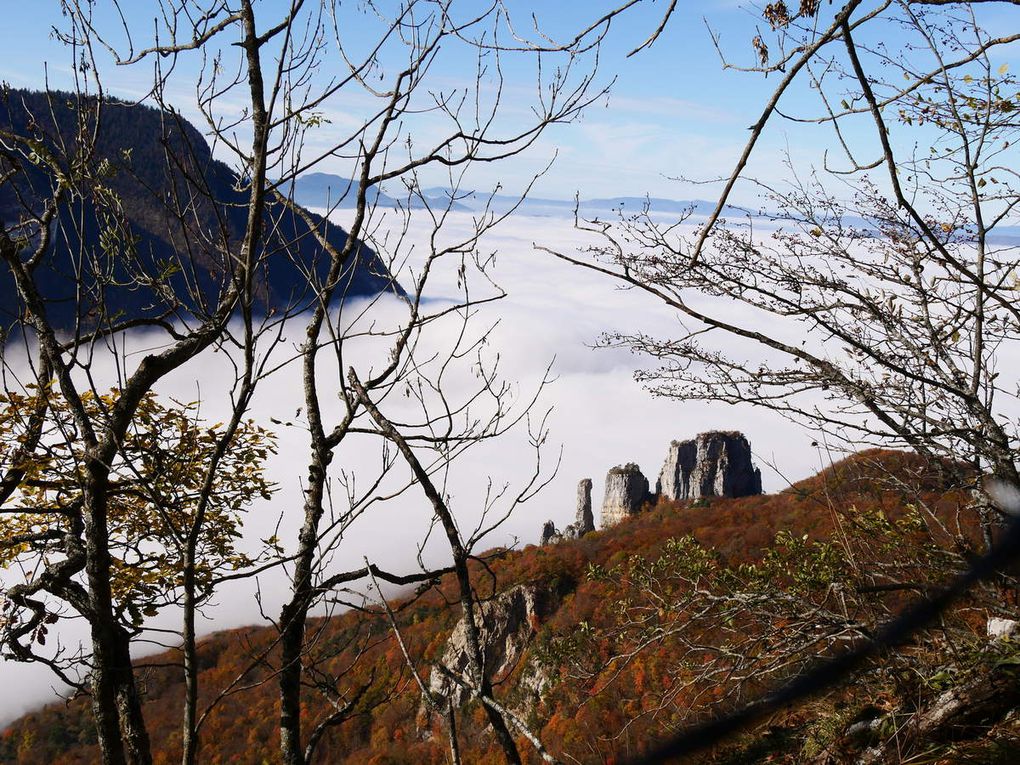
151	223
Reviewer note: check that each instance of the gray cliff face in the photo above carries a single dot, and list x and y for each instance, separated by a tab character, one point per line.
506	625
626	492
714	464
584	521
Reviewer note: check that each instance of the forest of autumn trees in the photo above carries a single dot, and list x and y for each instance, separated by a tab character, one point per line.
881	312
680	613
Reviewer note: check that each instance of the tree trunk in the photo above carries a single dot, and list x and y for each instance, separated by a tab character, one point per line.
129	706
115	703
476	659
189	736
294	616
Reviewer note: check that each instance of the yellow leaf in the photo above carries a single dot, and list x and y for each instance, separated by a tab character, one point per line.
1003	69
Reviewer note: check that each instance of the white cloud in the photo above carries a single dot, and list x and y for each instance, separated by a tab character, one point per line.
601	417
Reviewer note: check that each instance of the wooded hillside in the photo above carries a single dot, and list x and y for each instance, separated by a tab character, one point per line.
679	613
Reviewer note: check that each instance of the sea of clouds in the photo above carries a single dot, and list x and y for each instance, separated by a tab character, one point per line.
552	314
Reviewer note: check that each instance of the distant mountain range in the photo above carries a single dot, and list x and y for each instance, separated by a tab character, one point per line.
324	190
186	213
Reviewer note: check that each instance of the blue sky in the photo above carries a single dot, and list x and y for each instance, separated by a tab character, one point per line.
673	110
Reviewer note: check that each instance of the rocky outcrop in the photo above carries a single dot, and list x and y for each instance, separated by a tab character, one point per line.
714	464
550	535
626	492
1002	628
584	521
506	625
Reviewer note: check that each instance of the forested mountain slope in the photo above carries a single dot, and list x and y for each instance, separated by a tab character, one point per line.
609	642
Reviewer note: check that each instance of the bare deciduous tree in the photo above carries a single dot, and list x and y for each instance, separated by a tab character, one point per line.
873	300
211	256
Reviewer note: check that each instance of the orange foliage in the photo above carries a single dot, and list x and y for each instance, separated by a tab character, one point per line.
569	718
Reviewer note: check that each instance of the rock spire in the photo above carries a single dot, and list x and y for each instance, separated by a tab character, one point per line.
713	464
584	521
626	492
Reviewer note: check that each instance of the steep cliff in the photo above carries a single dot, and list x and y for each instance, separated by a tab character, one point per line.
714	464
170	259
506	625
